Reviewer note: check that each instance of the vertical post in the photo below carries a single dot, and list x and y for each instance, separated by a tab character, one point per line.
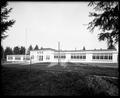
58	52
26	43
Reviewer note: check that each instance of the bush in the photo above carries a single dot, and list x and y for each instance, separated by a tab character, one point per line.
101	87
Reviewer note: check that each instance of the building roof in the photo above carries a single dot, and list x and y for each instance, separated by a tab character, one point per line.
75	50
87	50
45	49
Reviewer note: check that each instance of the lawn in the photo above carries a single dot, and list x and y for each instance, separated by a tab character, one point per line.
41	80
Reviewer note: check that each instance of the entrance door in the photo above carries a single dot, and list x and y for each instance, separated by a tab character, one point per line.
40	58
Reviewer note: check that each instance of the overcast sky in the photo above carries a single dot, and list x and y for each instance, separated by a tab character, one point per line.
46	23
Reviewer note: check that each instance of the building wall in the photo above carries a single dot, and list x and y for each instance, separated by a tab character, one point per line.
115	57
45	54
89	58
19	56
48	56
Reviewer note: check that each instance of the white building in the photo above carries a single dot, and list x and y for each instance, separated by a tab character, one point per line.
76	56
18	58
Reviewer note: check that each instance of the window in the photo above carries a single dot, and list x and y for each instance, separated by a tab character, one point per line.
27	58
110	57
106	57
93	57
17	58
10	58
32	57
78	56
40	58
74	57
47	57
62	56
55	57
71	57
97	57
84	57
102	56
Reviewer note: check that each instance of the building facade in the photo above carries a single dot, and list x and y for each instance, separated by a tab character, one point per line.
76	56
18	58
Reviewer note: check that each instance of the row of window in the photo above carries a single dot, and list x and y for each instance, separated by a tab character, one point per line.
96	56
78	57
62	57
10	58
101	56
18	58
40	58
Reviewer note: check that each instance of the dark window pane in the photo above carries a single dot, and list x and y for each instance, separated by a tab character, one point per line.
106	57
17	58
97	57
101	57
93	57
40	58
80	57
84	57
10	58
77	57
110	57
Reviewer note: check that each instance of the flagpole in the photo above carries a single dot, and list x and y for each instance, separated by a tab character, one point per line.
26	44
58	52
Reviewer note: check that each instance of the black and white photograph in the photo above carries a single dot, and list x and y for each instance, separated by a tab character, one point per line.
59	48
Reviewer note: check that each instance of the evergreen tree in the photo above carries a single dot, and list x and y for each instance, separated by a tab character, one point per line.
2	53
8	51
107	19
36	47
16	50
4	16
22	50
84	48
29	49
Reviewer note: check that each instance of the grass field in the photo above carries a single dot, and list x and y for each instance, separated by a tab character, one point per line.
41	80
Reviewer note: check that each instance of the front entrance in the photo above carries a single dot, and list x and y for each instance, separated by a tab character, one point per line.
40	58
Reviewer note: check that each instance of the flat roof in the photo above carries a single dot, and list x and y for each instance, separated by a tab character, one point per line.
75	50
45	49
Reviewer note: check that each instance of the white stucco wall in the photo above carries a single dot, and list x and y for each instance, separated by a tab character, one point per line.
14	60
68	57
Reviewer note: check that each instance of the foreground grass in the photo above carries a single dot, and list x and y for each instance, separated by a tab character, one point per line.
39	82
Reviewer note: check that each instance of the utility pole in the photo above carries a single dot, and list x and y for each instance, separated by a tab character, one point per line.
26	44
58	52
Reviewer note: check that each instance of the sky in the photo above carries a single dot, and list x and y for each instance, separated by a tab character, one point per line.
47	23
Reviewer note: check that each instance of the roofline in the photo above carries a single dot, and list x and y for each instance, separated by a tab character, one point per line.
75	50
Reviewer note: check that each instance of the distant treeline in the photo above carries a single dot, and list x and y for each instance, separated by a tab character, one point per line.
17	50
